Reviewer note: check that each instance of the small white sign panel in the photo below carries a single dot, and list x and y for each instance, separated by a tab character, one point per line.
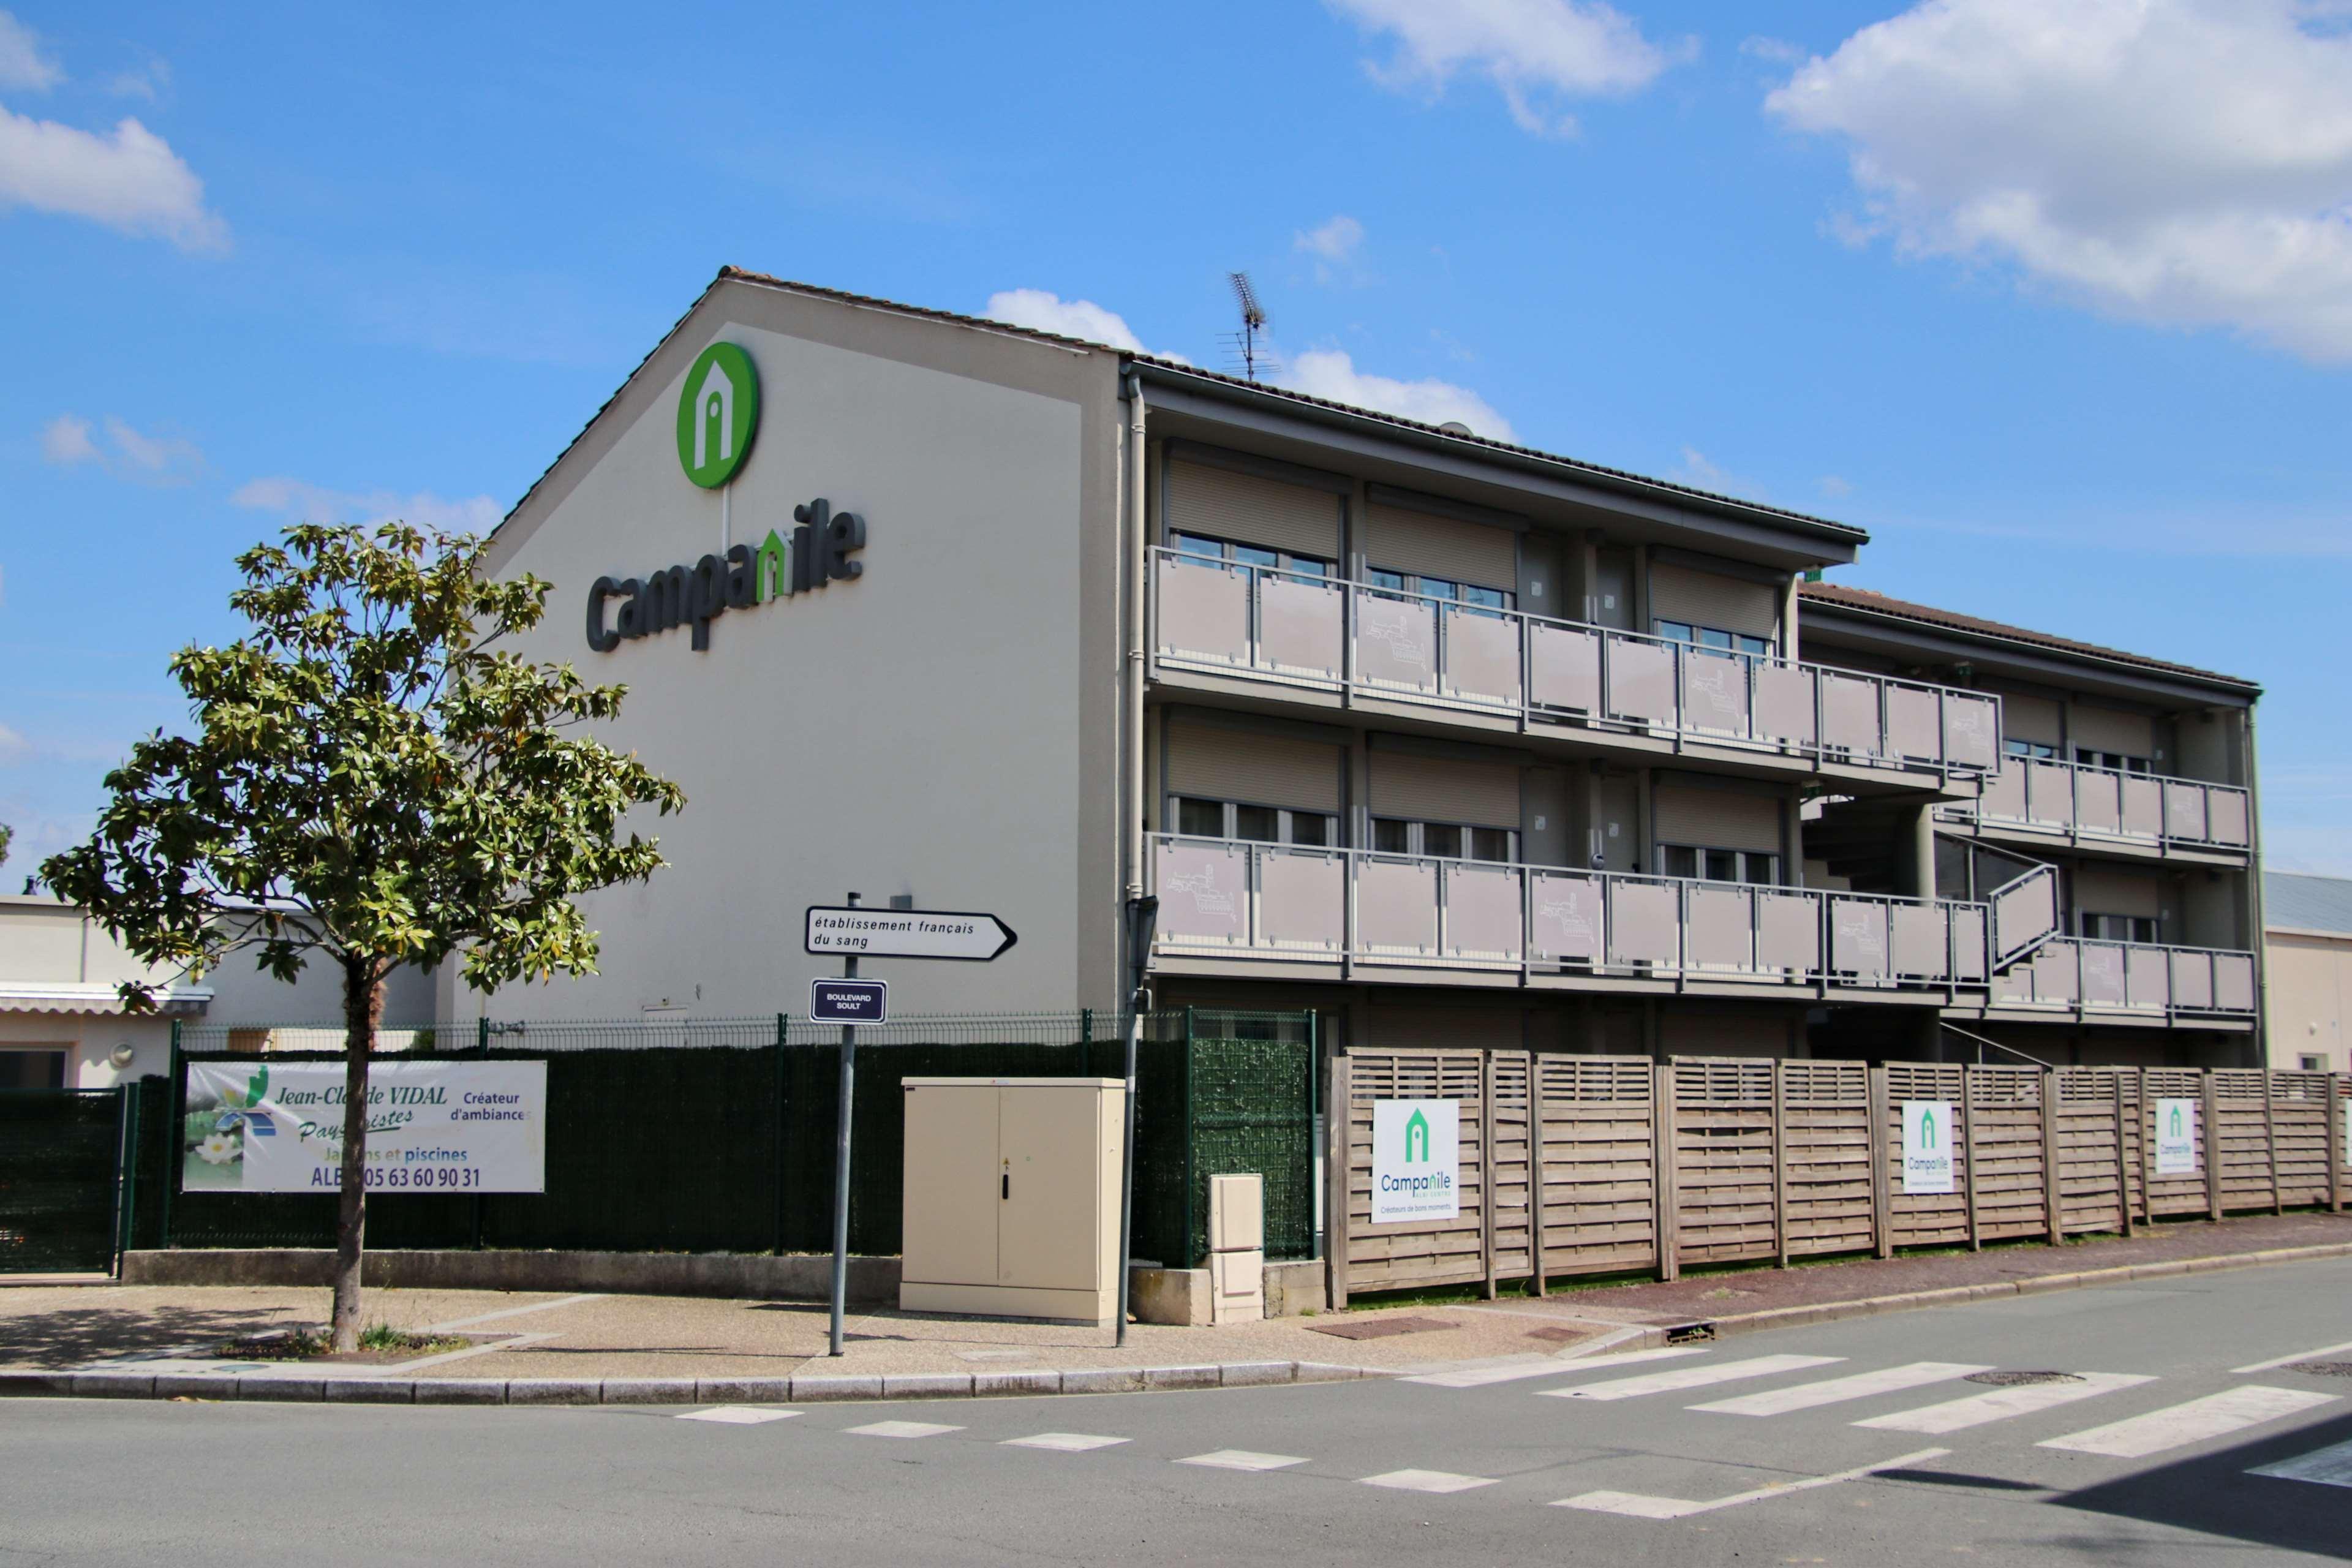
2176	1137
1926	1146
1416	1160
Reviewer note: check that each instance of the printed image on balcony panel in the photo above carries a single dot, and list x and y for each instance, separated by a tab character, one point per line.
1446	627
1284	887
1263	602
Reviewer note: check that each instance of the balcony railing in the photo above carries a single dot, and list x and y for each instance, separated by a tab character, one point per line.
1228	618
2076	976
1268	901
2079	802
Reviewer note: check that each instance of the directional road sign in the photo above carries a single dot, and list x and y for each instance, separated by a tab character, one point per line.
849	1000
907	934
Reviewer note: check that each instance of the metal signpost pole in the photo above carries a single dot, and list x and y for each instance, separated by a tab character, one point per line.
841	1160
1142	917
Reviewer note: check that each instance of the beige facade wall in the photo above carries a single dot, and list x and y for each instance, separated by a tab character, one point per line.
2309	978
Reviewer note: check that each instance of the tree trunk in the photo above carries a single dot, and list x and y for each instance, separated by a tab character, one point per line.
360	1002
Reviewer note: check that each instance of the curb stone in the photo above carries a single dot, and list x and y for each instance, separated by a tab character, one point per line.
1954	1295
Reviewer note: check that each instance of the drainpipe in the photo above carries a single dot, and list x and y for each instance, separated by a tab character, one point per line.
1139	583
2257	935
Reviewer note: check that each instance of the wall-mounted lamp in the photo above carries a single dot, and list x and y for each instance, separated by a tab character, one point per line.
123	1055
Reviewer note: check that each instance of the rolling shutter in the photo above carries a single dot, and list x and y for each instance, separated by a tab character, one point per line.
1252	768
1431	546
2106	890
1446	789
2032	719
1251	511
1705	599
1714	818
2111	730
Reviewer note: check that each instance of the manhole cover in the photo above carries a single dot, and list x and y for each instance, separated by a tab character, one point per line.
1558	1336
1381	1328
2020	1379
2322	1368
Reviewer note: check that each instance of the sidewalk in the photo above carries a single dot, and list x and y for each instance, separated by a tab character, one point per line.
162	1341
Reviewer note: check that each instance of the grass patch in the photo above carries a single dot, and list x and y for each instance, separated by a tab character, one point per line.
378	1342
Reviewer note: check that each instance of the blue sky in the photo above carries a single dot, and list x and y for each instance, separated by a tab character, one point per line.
2061	310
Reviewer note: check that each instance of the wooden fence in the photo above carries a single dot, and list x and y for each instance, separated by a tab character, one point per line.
1582	1164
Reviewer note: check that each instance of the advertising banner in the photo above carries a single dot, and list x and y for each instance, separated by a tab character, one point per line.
1416	1160
1926	1146
254	1125
2176	1137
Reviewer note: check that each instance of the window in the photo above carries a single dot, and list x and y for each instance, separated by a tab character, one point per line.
1444	840
1256	557
2118	928
2034	748
2113	762
1469	595
2313	1063
1691	861
1715	639
1199	818
32	1069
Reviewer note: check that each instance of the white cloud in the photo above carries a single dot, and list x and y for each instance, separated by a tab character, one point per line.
1332	374
2178	162
1699	472
301	502
21	63
66	439
149	81
13	747
1779	51
1835	488
1536	52
130	181
1041	312
1335	240
127	453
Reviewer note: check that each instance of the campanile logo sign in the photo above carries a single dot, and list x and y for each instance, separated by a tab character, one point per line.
1416	1160
717	413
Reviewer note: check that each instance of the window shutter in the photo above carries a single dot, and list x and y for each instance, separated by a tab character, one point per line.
1248	509
1446	789
1255	769
1714	818
1402	539
1703	599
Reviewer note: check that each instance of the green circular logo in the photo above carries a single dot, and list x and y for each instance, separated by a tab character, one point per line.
718	410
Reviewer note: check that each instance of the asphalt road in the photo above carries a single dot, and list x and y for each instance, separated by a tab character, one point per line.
2152	1468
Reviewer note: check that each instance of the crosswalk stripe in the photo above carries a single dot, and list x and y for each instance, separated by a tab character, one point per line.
1638	1505
1691	1377
1242	1459
2001	1403
1483	1376
1837	1390
1063	1442
738	1415
2330	1467
2180	1425
1427	1481
902	1429
2320	1354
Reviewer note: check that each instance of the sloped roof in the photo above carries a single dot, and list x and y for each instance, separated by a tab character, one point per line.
2298	902
1599	471
1839	595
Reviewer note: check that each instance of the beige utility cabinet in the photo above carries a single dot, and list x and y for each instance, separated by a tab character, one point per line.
1012	1197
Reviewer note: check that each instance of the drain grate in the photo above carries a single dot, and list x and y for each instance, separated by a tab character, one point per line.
2020	1379
2322	1368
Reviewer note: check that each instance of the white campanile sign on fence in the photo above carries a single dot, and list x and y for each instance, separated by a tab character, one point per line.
1926	1146
2176	1137
1416	1160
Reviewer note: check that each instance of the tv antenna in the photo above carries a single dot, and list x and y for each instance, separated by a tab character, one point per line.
1245	343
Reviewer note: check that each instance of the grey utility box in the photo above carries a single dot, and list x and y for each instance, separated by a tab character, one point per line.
1012	1197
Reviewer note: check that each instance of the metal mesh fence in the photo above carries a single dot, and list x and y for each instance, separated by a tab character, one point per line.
717	1135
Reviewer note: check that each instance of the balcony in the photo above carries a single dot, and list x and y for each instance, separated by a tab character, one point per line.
2085	805
1358	911
2080	979
1322	635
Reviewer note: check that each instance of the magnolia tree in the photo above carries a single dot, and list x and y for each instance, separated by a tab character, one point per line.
372	780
